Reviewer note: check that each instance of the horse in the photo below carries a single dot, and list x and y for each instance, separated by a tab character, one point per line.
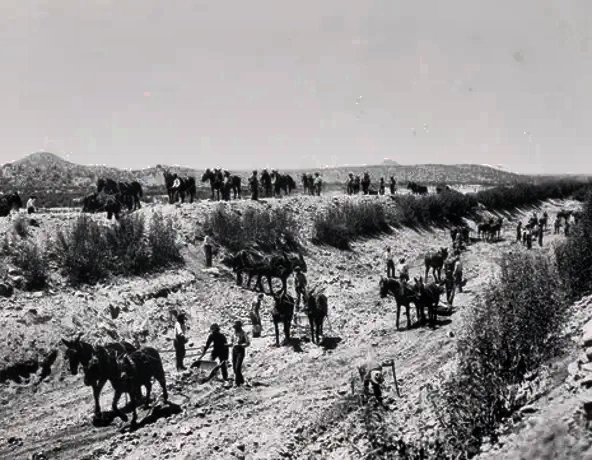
281	182
100	202
495	228
428	296
357	181
350	184
557	226
316	310
232	183
215	180
366	183
128	193
266	183
435	261
417	189
308	184
403	294
136	370
97	364
254	263
543	221
9	202
483	229
283	312
442	188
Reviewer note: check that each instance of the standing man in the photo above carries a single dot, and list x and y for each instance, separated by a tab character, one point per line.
390	264
207	247
180	340
540	235
299	285
393	185
254	184
318	184
372	375
31	204
220	349
255	315
381	186
403	270
240	341
519	232
458	274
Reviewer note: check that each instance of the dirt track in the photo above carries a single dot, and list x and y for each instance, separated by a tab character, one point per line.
293	393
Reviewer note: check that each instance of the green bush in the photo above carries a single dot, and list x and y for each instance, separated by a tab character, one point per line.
30	259
339	225
270	229
83	251
514	328
162	243
21	226
574	256
129	251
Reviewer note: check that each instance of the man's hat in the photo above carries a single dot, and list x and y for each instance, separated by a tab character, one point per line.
238	324
402	259
297	269
214	327
254	171
376	377
181	315
260	295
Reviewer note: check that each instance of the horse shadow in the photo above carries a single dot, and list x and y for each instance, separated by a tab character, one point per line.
156	413
330	343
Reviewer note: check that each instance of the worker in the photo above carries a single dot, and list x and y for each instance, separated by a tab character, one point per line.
180	340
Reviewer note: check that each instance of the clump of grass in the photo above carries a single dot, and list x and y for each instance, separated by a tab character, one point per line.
270	229
340	225
31	260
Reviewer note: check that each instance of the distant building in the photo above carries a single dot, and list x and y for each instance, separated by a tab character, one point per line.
389	162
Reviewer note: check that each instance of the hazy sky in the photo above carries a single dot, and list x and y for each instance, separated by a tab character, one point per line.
275	83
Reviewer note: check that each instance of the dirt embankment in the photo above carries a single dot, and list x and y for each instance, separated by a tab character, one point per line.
296	406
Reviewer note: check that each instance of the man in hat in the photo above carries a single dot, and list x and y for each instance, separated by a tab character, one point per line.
31	204
458	273
256	315
220	349
240	341
403	270
519	232
207	247
372	375
393	185
180	340
390	264
318	184
254	185
299	285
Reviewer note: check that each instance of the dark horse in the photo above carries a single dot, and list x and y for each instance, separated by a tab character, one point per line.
255	263
136	370
283	312
98	364
404	296
187	188
308	184
282	182
417	189
428	296
316	310
435	261
99	202
129	193
216	181
9	202
231	183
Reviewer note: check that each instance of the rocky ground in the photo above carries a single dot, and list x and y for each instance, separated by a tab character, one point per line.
297	404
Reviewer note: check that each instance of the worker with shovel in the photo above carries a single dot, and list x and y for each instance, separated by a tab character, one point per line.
220	349
372	375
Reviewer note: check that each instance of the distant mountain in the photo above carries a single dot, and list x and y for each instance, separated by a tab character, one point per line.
49	175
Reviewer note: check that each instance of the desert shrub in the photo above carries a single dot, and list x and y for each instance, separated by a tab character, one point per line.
32	262
574	255
270	229
514	327
339	225
21	226
128	244
162	244
447	207
83	251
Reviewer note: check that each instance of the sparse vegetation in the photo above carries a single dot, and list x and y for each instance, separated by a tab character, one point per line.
269	229
340	225
31	260
574	256
89	252
514	328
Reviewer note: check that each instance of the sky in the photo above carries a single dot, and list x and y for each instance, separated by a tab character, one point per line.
270	83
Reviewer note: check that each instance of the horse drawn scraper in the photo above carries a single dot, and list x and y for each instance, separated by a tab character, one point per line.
204	366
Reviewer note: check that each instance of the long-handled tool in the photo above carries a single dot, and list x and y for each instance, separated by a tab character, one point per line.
395	377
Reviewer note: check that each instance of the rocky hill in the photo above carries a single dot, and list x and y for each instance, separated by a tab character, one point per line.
47	174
